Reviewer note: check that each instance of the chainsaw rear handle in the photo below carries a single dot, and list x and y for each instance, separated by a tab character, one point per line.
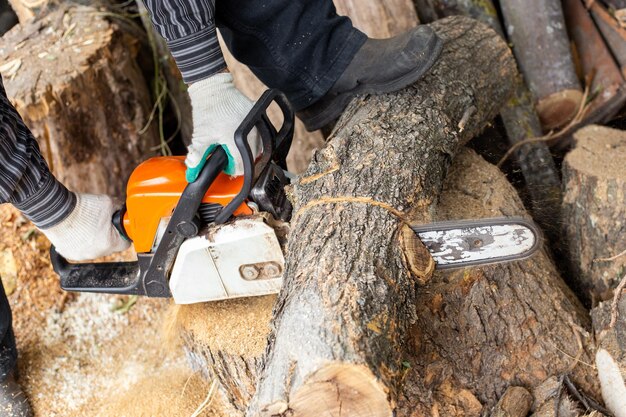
148	275
275	145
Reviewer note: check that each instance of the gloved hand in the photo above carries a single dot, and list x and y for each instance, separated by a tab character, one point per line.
88	232
218	110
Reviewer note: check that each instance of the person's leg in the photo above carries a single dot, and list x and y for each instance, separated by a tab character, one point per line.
317	58
300	47
8	352
13	402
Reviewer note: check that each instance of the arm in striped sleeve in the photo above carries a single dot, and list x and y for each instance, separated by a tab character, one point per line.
25	180
188	27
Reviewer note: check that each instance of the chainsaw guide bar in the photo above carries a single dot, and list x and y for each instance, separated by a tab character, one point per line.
462	243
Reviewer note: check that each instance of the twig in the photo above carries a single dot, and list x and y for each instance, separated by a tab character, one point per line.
581	348
207	400
558	397
588	402
616	297
612	258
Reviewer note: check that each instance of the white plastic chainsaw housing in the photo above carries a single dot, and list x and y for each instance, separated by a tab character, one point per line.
239	259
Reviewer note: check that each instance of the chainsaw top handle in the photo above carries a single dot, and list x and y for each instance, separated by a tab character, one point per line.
275	145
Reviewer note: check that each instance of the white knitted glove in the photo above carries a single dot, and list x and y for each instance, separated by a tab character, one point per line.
218	110
88	232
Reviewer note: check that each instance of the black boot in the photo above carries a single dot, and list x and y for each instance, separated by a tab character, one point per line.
380	66
13	401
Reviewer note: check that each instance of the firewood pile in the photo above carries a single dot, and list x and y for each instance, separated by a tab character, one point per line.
537	92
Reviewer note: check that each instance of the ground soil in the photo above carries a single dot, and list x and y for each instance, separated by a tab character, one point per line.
85	355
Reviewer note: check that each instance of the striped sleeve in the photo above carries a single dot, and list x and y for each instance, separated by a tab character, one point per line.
188	27
25	180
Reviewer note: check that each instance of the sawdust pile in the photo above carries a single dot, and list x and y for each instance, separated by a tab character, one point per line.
239	327
87	354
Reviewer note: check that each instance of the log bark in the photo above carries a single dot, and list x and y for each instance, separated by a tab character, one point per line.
519	118
612	32
595	58
537	31
484	11
346	305
594	210
76	84
515	402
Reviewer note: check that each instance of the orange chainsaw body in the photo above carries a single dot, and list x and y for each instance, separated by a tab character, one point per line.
154	189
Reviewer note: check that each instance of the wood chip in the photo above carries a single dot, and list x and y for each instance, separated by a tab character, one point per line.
10	68
8	271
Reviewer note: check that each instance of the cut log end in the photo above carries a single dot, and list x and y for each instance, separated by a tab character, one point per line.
557	109
337	389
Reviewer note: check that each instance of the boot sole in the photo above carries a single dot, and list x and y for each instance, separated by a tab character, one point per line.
328	110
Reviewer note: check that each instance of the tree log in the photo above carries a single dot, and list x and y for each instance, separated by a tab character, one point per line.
537	31
519	118
346	305
74	80
594	210
595	57
478	331
351	329
612	32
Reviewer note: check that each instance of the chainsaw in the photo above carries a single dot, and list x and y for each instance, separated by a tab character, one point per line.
222	237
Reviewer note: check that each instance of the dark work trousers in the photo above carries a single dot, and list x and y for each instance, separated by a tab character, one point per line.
300	47
8	352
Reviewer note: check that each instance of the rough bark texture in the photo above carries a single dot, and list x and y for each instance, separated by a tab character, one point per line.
480	330
594	210
78	88
594	56
537	31
519	118
379	18
484	11
515	402
348	298
612	32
